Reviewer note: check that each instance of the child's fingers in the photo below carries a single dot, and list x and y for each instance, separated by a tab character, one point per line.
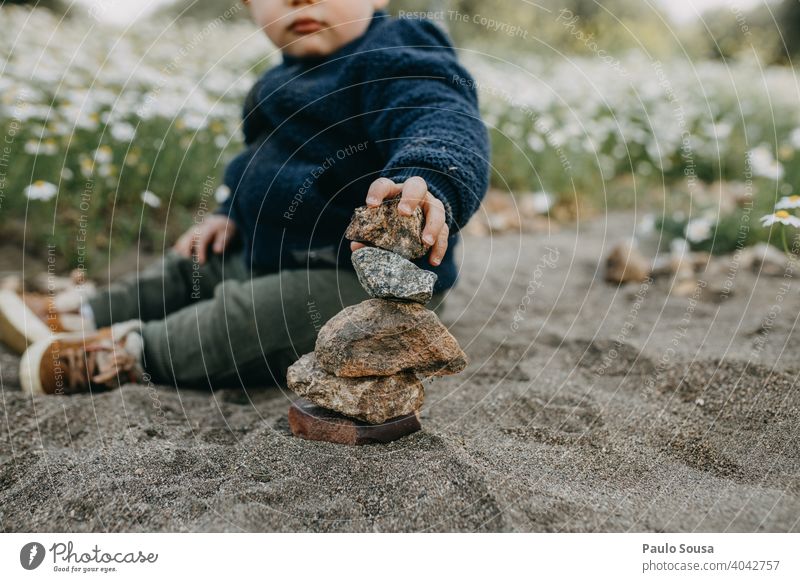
414	192
380	189
354	246
440	248
220	240
182	246
434	218
202	245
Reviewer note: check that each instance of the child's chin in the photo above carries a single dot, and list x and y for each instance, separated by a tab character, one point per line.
309	47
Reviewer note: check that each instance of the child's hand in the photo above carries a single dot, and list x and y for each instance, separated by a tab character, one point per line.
215	230
414	193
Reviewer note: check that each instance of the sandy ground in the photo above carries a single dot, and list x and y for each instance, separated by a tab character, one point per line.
602	409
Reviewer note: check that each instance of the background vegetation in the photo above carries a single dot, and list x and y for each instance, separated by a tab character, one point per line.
121	139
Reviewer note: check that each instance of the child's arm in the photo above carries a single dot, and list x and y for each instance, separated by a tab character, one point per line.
414	193
422	111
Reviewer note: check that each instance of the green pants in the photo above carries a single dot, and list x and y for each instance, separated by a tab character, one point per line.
219	324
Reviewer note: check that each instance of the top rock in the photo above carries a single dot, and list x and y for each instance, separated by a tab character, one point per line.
386	228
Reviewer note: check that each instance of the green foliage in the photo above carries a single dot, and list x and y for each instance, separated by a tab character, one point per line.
202	10
516	27
570	125
768	32
54	5
731	229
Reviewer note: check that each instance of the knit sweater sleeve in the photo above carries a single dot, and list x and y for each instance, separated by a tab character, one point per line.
421	110
253	125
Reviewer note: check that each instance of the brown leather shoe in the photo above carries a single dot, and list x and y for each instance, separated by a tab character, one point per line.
29	317
69	363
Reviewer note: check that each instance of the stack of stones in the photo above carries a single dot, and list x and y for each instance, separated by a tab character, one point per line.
361	384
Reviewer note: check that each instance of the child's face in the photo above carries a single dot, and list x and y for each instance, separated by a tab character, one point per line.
304	28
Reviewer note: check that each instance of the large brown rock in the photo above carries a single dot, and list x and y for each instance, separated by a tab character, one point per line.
378	337
384	227
312	422
372	399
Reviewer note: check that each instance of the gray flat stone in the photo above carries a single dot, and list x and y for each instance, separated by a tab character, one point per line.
387	275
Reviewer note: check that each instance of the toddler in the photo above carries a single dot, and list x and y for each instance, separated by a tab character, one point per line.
362	107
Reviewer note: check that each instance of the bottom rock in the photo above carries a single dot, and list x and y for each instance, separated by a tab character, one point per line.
373	399
312	422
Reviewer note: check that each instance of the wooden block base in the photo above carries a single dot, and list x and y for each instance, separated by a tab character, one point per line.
312	422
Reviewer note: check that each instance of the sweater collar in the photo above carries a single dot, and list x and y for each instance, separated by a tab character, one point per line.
343	50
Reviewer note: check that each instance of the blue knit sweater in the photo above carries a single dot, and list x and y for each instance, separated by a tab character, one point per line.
394	103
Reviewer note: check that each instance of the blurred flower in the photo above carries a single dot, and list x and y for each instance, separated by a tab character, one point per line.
87	166
788	202
794	138
542	202
647	225
781	217
36	147
123	132
721	130
151	199
133	157
45	147
698	229
764	163
222	193
535	142
678	247
103	155
41	190
106	170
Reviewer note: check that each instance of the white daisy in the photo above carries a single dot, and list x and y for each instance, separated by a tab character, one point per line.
41	190
788	202
678	247
151	199
764	163
795	138
542	202
222	193
647	225
698	229
87	166
123	132
782	217
45	147
103	155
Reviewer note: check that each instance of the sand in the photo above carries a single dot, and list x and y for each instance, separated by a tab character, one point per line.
589	408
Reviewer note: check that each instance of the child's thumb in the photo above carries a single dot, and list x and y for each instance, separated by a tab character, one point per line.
219	242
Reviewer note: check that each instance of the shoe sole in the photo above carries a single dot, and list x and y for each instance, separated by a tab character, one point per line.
19	326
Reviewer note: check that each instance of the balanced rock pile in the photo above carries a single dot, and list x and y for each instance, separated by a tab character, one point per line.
362	382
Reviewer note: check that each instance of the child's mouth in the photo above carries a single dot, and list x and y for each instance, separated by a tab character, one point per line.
305	26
